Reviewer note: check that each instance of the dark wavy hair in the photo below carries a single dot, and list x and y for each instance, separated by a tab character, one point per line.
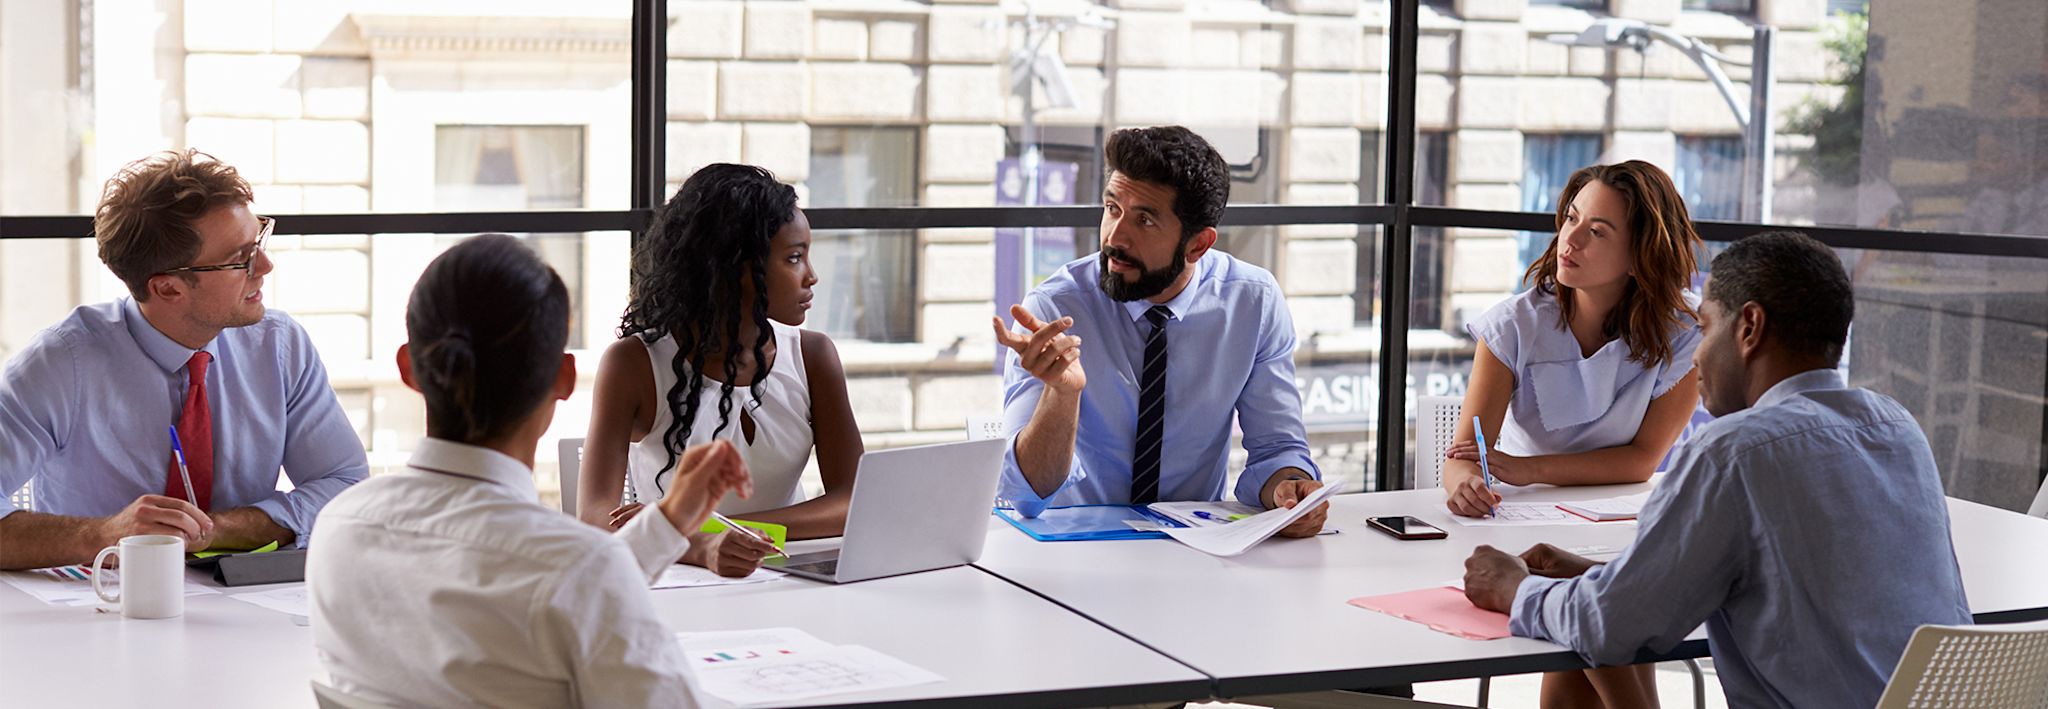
1178	158
486	326
1662	245
689	272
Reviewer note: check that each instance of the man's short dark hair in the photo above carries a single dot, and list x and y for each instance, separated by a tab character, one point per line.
1800	284
1175	157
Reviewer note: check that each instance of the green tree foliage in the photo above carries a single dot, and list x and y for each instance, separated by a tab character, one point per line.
1837	129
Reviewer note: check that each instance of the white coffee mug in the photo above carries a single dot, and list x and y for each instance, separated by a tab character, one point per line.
152	576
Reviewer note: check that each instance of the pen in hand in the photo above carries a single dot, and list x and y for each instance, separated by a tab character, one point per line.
1491	507
178	451
727	521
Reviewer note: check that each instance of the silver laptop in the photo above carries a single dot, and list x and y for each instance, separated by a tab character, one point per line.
913	509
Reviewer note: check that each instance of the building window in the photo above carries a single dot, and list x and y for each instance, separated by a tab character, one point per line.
1429	289
1736	7
1710	176
512	169
1548	161
1426	285
867	278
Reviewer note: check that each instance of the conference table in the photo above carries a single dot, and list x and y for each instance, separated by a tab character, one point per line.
1275	620
1032	624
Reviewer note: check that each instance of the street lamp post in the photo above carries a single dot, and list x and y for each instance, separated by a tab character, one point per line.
1032	68
1753	115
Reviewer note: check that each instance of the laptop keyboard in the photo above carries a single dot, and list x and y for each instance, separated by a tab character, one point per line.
828	567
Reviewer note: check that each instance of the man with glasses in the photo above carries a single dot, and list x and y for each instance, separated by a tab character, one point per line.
88	408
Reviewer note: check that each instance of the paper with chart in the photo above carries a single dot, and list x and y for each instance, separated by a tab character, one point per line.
72	585
290	600
782	665
1198	513
721	646
1236	537
687	576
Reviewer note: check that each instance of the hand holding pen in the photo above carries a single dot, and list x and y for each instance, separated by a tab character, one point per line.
1480	433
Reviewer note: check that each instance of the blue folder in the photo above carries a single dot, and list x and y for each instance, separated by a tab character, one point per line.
1086	523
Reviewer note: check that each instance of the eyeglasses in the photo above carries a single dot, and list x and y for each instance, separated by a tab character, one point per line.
263	235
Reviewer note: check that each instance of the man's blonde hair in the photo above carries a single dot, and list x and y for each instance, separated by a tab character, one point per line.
144	221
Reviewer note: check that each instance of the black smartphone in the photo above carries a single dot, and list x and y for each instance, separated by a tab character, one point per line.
1404	527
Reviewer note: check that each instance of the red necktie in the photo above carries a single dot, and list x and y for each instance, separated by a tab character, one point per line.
195	431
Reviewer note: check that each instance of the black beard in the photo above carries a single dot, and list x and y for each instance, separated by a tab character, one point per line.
1151	282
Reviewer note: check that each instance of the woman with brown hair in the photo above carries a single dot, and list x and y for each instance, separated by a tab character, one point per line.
1586	378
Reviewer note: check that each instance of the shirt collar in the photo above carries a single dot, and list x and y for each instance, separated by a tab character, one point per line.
1809	380
160	348
1179	304
475	462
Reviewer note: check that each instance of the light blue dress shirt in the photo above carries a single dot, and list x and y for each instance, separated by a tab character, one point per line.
1564	402
1809	532
86	410
1230	356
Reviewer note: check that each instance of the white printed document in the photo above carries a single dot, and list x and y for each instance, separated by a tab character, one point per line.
1236	537
290	600
782	665
72	585
1608	509
687	576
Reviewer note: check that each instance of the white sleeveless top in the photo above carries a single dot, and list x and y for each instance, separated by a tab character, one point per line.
782	427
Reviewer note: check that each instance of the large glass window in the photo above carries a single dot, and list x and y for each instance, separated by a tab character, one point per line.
1709	176
1548	162
866	278
515	168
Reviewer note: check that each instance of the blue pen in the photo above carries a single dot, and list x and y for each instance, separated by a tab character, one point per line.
1220	519
1483	470
178	450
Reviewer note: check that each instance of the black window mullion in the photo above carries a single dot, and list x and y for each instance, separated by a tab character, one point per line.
1397	247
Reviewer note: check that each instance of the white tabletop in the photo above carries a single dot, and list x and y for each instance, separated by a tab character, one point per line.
1276	619
984	635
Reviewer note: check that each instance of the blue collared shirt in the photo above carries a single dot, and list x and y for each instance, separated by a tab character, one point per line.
1809	532
1565	401
1230	356
86	410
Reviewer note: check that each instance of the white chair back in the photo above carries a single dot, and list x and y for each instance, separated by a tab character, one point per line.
330	698
572	470
1977	666
1436	421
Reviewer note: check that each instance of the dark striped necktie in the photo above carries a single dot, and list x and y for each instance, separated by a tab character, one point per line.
1151	410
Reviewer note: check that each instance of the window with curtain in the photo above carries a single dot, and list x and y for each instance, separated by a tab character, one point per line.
1548	161
517	168
1709	176
867	278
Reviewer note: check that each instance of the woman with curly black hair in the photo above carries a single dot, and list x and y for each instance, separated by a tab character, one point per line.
709	350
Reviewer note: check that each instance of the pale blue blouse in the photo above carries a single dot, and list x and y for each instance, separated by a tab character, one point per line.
1565	403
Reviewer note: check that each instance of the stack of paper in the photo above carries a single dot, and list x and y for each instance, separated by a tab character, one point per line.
72	585
782	665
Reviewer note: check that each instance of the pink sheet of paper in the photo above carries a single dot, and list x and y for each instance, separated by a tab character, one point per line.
1443	608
